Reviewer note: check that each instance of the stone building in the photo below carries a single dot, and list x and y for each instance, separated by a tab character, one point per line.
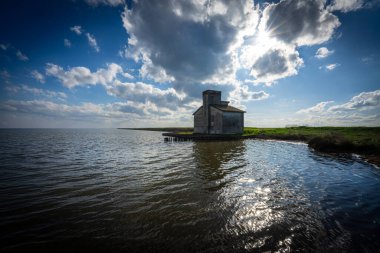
216	116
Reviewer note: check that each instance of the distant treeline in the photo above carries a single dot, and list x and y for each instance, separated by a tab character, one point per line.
164	129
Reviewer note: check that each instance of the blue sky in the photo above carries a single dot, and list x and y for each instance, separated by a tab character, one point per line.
112	63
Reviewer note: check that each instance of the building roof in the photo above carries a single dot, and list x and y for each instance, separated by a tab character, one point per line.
224	108
198	109
211	91
227	108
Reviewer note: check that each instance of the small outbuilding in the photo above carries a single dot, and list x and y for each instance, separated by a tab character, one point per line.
216	116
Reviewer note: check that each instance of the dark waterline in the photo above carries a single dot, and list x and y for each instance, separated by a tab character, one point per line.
117	190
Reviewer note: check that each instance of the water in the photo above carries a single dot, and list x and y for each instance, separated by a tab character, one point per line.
118	190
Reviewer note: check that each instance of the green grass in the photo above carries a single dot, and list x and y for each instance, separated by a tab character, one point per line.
339	139
356	135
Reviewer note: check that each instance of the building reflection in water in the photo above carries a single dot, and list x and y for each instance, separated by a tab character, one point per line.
216	160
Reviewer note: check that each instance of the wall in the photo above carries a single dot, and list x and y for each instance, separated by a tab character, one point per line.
200	122
216	121
233	122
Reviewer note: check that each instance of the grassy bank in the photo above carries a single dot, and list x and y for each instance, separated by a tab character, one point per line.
366	138
361	140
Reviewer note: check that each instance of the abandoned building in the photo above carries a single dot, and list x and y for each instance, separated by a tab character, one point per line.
216	116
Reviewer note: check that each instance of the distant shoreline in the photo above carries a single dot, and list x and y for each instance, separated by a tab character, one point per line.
364	141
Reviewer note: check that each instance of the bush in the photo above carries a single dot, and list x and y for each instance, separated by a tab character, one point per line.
331	143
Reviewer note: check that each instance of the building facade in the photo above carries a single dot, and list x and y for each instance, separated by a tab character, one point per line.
216	116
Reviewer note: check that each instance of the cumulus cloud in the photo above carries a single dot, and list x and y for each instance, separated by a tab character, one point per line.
112	3
300	22
276	64
146	93
363	101
81	76
323	52
92	42
242	93
318	108
139	92
188	41
21	56
272	53
362	109
38	76
67	43
346	5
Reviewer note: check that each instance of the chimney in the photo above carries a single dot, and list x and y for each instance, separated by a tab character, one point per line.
210	97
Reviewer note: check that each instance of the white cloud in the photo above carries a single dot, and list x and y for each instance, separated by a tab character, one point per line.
147	93
332	66
13	89
362	109
188	42
81	76
299	22
242	94
38	76
138	92
131	113
363	101
276	64
346	5
92	42
323	52
318	108
90	38
21	56
112	3
67	43
45	93
272	53
77	29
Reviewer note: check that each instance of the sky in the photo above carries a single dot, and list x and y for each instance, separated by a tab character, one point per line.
143	63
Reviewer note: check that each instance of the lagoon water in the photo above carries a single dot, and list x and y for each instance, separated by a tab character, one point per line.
65	190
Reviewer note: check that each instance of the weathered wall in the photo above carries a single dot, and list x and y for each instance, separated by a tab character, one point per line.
216	121
233	122
209	97
200	122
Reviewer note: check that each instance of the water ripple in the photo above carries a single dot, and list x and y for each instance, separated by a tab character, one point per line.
88	189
